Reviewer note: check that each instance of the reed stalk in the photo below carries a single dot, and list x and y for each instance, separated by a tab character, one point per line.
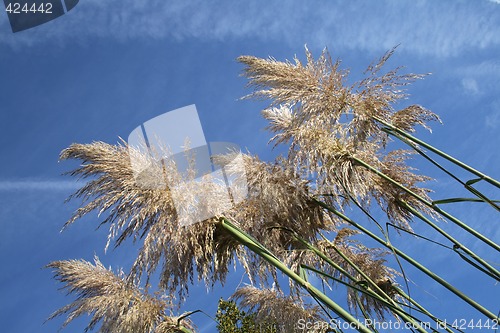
466	185
412	261
257	248
456	244
377	293
430	205
453	160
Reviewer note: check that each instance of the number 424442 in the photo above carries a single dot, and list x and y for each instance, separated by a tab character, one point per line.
17	8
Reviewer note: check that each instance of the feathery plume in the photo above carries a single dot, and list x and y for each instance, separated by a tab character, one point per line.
369	260
181	249
272	306
277	198
389	196
330	126
115	304
279	201
407	118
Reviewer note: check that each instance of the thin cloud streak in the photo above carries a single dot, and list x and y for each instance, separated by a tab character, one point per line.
38	185
435	28
492	120
484	68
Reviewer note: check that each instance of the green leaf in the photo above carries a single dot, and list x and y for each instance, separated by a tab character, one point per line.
473	181
453	200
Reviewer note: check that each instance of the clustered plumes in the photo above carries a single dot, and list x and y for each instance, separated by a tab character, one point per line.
277	198
332	129
392	198
135	211
347	252
271	306
115	304
337	151
371	262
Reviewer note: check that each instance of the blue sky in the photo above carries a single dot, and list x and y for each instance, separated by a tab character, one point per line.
99	71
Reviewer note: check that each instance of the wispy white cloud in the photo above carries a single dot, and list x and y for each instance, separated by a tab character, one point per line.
492	120
470	86
38	185
481	80
436	28
484	68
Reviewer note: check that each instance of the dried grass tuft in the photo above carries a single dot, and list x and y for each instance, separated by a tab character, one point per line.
183	252
277	198
369	260
329	125
273	307
331	129
114	304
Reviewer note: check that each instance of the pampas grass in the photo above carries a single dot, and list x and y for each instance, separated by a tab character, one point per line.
114	304
337	136
330	126
273	307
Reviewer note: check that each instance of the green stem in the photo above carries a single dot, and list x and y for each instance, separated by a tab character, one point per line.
378	291
336	266
258	249
339	268
423	310
430	205
469	188
394	307
365	313
455	242
412	261
360	271
379	294
185	315
438	152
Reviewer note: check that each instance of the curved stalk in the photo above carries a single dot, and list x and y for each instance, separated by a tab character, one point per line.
423	310
379	294
365	314
323	256
468	187
258	249
481	175
370	293
494	273
412	261
384	232
430	205
185	315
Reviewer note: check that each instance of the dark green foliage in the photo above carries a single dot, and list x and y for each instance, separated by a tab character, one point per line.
233	320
